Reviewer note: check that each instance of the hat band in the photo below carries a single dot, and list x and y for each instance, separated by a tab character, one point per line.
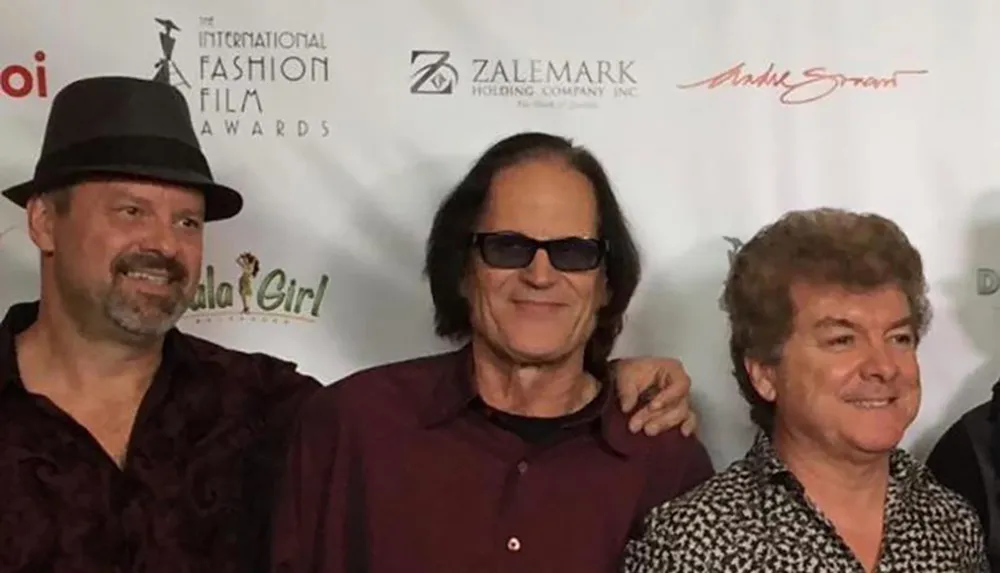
123	151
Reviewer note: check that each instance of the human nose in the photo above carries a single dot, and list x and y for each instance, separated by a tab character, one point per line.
540	273
162	236
881	362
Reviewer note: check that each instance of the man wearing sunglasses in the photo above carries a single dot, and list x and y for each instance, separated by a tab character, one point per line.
126	444
510	454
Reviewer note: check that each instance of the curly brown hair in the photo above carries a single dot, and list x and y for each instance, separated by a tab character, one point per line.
858	251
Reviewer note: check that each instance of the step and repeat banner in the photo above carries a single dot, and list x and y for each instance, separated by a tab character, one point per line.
345	123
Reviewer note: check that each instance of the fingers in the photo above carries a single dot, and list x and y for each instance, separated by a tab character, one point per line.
667	408
669	392
690	425
662	420
642	407
639	419
627	396
652	391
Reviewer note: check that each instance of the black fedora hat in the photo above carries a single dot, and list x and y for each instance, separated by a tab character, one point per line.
123	127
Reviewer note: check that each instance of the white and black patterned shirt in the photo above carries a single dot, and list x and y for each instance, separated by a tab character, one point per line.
755	517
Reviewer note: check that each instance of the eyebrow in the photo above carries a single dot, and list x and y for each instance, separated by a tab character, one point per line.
122	194
834	322
115	192
193	213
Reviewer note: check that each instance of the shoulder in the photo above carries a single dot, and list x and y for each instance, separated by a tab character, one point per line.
974	425
248	369
396	386
716	502
946	504
673	448
707	511
689	530
978	415
963	454
676	463
941	510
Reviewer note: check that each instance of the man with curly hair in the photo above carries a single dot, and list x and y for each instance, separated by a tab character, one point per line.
826	308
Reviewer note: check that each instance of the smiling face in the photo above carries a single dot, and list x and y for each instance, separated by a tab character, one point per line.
122	257
847	380
536	314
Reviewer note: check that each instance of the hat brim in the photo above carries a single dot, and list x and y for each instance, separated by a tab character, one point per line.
221	202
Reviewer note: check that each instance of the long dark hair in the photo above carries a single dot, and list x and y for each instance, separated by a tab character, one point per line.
447	252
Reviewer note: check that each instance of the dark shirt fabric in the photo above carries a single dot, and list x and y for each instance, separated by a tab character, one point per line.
534	430
962	461
196	487
400	468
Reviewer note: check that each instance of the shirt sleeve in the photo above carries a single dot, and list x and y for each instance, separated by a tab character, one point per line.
953	463
677	467
698	468
654	551
279	394
283	390
312	511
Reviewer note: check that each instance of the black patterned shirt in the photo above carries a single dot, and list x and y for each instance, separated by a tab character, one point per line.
195	492
755	517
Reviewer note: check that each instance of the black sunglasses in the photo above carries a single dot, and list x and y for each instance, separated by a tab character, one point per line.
516	251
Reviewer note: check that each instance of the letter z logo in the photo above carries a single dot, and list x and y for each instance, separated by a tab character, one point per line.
432	74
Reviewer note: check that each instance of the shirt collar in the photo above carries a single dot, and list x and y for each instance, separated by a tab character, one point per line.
904	470
454	394
18	318
176	347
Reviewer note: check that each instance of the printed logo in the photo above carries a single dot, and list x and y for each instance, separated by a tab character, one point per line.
166	69
433	73
272	297
528	82
239	74
806	86
987	281
20	81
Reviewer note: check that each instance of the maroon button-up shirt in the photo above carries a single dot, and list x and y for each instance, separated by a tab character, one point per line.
395	469
195	491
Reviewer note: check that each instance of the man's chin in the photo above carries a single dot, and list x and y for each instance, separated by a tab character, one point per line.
540	354
148	317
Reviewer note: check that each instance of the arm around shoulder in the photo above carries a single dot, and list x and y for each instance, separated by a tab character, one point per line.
679	463
311	516
283	390
697	466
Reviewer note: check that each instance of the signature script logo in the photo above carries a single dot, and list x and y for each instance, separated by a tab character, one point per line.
807	86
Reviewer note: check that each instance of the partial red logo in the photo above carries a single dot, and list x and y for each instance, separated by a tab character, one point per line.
25	79
805	86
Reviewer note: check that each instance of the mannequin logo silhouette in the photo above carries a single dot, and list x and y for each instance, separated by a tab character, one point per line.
167	70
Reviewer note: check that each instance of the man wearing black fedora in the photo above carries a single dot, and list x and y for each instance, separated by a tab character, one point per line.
126	445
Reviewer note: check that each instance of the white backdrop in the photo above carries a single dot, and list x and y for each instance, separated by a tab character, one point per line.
390	100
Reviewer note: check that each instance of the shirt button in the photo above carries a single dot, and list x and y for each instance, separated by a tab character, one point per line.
514	544
522	467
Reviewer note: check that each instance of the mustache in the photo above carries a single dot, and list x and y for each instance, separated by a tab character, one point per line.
150	261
